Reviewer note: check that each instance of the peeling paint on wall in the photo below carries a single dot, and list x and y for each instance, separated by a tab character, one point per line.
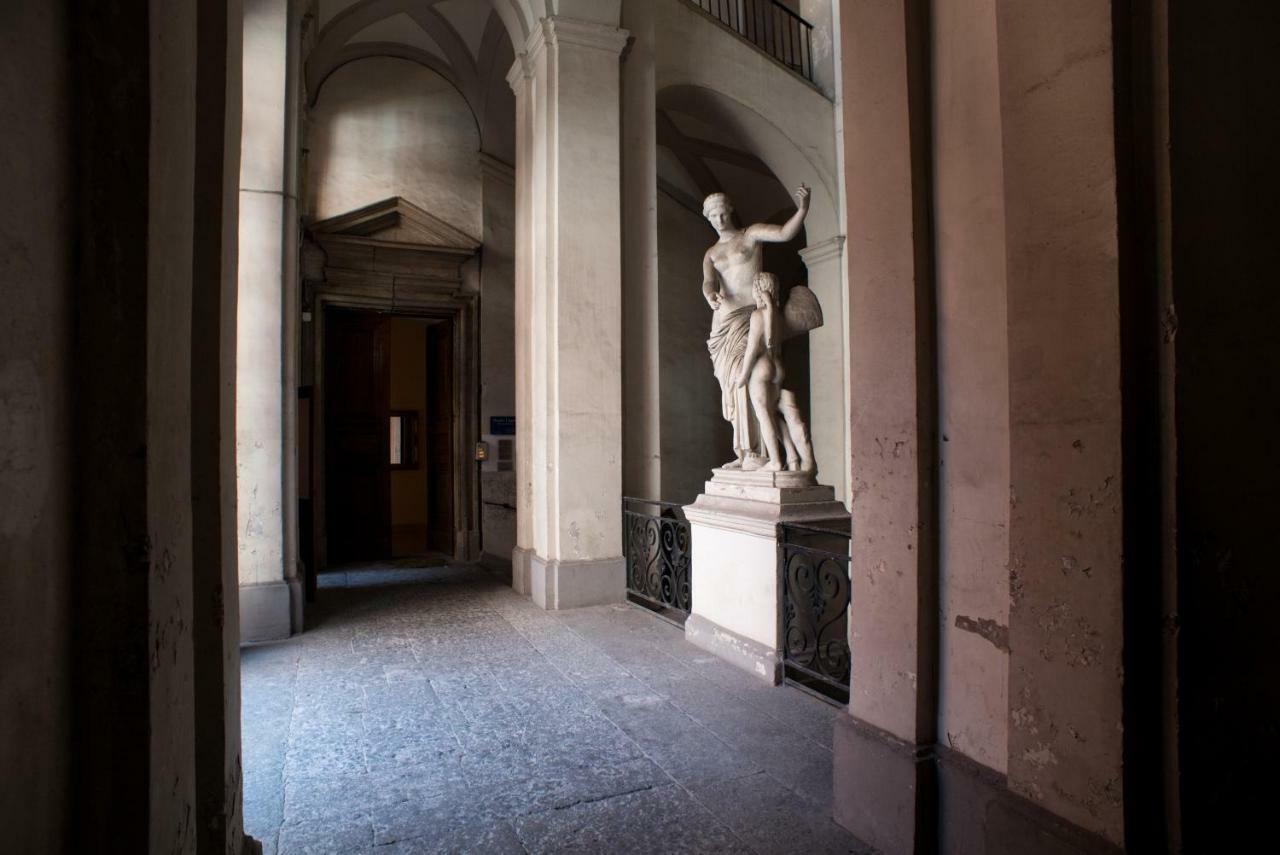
996	633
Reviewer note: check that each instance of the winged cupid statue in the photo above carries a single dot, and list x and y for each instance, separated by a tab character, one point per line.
748	328
761	373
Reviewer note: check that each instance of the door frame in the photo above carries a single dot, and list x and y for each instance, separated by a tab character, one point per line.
406	280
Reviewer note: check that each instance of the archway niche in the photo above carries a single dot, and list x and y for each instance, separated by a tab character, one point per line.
709	142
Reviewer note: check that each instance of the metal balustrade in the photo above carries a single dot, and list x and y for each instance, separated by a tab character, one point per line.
813	577
770	26
657	546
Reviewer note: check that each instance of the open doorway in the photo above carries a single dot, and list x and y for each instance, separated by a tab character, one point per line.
390	344
390	449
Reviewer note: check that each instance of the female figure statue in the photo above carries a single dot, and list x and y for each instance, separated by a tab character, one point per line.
729	268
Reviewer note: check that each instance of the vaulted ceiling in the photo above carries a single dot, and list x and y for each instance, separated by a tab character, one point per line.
467	43
464	41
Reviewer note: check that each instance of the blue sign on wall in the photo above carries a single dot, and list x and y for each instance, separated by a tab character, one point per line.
502	425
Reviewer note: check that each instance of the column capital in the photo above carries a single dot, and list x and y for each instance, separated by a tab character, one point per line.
822	252
519	72
558	30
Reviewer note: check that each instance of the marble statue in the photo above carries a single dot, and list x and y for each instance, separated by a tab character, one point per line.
729	284
761	374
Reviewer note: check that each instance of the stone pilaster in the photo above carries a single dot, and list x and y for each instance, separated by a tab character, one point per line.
569	310
270	593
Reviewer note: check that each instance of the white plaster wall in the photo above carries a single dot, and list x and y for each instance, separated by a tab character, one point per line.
694	435
641	429
385	127
259	401
819	13
260	316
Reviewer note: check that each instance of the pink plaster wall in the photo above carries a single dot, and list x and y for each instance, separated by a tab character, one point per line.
884	276
1017	182
973	383
1065	627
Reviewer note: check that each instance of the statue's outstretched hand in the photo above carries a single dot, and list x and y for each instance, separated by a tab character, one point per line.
802	196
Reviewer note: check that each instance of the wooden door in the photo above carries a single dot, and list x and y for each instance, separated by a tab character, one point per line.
438	434
357	377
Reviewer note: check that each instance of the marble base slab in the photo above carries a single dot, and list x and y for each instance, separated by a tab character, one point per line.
734	572
760	660
755	502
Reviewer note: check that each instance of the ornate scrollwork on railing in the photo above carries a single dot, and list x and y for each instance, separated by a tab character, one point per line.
814	570
656	544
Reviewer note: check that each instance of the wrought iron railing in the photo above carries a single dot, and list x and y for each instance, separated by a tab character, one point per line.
656	543
770	26
813	571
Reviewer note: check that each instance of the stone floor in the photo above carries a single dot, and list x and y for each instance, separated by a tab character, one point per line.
432	709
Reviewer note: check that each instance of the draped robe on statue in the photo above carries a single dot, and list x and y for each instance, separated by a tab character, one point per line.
727	345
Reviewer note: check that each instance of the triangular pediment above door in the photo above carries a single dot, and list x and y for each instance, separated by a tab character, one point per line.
395	220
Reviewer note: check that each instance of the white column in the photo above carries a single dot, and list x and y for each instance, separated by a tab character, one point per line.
522	85
641	440
270	595
827	356
571	107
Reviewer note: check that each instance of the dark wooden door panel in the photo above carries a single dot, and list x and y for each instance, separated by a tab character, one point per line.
357	463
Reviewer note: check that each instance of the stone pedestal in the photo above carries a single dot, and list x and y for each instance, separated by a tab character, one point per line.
736	592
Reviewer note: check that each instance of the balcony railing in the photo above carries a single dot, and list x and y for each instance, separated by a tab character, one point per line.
655	541
770	26
813	571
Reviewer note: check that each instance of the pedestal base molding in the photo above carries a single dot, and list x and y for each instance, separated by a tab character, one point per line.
270	611
755	502
734	531
750	655
556	584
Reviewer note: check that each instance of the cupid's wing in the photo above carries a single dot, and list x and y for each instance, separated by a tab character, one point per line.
801	312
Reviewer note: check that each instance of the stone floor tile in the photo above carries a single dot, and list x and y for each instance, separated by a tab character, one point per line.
684	749
658	820
346	834
491	838
559	785
434	710
771	818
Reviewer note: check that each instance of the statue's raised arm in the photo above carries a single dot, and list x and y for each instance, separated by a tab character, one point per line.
769	233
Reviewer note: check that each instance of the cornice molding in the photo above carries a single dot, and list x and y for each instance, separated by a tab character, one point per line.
825	251
557	30
367	223
519	73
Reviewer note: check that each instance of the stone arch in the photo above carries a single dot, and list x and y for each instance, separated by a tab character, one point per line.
390	50
451	58
785	158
